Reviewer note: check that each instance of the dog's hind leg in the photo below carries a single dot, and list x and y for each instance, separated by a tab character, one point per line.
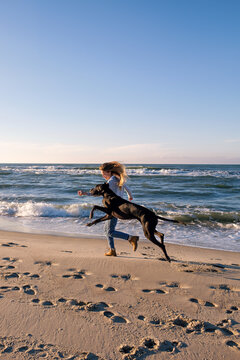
149	233
161	245
161	235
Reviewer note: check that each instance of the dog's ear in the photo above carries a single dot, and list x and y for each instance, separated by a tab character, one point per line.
105	185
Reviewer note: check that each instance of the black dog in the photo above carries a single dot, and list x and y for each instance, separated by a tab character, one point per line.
115	206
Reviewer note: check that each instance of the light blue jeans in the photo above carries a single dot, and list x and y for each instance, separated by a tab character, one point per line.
111	233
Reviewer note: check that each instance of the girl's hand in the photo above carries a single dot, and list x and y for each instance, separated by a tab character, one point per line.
130	198
80	193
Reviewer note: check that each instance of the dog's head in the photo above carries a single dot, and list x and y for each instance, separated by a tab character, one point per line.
99	190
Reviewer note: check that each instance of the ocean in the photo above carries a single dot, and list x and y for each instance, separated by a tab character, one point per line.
42	198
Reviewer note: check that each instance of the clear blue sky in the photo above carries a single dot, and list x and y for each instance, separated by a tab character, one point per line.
154	81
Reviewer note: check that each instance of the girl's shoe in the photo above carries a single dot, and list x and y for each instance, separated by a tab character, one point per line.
111	252
134	242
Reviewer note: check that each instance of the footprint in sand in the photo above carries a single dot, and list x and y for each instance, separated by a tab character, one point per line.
43	302
223	287
232	309
105	288
233	344
196	268
193	325
27	289
74	303
46	303
31	348
199	326
174	285
115	318
16	275
220	287
124	277
11	260
172	346
8	288
202	302
154	320
76	274
7	349
170	285
7	267
149	346
156	291
148	256
32	276
43	263
99	307
149	343
109	288
10	275
12	244
126	349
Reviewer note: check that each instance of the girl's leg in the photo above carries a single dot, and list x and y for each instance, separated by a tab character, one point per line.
132	239
120	235
111	233
109	230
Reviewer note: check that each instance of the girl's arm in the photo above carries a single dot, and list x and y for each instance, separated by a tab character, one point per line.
82	193
130	197
113	185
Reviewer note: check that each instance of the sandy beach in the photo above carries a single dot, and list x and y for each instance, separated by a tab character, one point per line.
61	298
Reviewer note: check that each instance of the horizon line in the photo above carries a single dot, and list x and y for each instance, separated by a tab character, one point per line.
127	163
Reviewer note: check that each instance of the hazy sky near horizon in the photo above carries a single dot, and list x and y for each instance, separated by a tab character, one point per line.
139	81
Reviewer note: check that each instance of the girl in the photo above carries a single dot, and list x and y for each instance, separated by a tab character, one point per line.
115	174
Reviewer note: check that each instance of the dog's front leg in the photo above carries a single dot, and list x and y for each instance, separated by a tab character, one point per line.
104	218
96	207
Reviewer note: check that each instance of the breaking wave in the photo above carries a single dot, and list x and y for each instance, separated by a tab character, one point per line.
200	217
185	171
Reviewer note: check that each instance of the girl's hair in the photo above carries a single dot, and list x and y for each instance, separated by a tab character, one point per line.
116	169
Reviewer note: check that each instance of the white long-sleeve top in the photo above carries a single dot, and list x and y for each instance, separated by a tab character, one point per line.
113	185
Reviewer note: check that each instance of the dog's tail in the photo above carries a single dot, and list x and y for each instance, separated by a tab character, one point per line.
171	220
